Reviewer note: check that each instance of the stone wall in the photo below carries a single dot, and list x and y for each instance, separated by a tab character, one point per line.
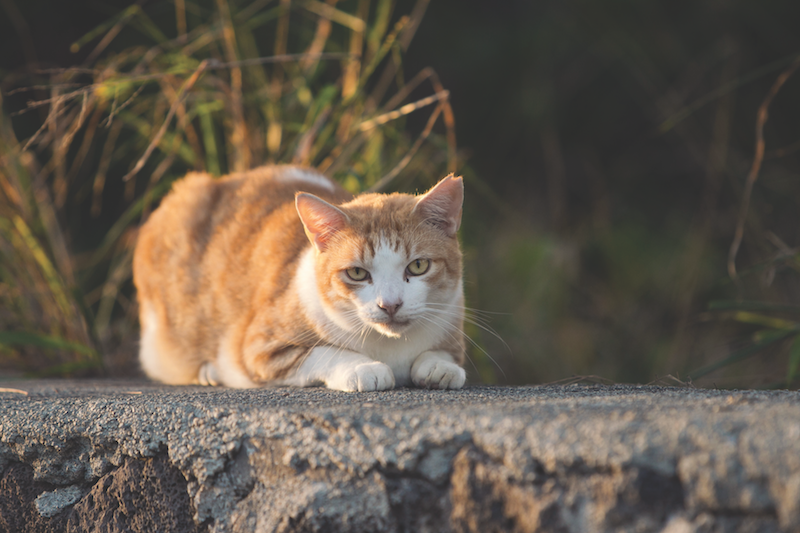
133	456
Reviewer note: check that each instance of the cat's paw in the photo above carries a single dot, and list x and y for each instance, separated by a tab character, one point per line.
436	373
208	375
367	377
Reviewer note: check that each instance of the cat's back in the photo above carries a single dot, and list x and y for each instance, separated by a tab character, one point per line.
204	220
200	202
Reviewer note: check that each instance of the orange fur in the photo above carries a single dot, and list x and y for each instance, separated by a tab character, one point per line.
215	268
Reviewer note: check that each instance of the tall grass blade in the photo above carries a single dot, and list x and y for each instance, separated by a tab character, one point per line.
794	360
11	339
767	339
53	279
207	97
736	305
763	320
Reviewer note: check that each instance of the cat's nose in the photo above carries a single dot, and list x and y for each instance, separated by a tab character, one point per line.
390	308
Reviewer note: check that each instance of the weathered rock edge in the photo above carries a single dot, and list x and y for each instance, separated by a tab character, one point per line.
127	456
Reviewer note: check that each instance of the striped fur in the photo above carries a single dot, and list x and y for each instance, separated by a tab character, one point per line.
243	281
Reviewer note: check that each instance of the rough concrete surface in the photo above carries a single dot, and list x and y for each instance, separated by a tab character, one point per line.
134	456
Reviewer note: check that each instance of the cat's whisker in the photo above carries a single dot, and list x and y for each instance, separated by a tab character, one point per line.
303	338
337	341
482	350
472	316
343	342
457	313
364	333
468	311
298	319
428	323
467	337
475	322
467	308
441	326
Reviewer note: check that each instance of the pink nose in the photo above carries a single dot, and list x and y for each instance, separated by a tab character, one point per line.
389	308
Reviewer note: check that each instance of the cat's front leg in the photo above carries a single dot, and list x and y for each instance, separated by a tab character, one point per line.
435	369
343	370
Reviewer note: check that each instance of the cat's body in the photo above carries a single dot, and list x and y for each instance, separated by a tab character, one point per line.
242	282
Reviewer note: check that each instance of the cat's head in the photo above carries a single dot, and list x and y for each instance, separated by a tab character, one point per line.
387	262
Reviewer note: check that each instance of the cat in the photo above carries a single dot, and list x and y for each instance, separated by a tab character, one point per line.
278	276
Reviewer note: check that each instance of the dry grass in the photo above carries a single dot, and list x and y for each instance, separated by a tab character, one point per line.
115	132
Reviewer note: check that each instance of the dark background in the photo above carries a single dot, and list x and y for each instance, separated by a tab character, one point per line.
595	235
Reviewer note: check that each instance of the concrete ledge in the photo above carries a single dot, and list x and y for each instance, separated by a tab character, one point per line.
132	456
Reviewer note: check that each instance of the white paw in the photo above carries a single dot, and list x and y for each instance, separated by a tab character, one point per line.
208	375
434	373
367	377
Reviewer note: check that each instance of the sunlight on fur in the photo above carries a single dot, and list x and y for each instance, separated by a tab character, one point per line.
279	276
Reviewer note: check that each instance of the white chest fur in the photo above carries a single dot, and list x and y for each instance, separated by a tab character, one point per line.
348	336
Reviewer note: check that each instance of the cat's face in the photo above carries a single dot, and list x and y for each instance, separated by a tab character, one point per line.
389	282
388	263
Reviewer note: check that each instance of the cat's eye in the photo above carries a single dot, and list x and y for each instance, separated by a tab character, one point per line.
418	267
357	274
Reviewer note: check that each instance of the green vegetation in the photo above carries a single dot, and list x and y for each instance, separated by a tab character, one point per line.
226	88
631	167
610	145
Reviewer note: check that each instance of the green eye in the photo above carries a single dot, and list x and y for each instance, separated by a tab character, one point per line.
357	274
418	267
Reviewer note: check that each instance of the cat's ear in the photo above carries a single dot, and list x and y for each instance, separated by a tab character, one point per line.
442	205
320	219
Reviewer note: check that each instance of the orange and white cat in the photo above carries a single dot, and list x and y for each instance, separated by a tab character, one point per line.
279	276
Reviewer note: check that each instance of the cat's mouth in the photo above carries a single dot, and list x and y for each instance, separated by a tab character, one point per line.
392	327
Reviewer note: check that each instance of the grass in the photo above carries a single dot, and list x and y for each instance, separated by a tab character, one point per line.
778	324
227	88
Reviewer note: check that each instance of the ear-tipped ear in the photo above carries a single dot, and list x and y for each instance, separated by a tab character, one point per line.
320	219
441	206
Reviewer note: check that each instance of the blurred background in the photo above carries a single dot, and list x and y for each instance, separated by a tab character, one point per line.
631	168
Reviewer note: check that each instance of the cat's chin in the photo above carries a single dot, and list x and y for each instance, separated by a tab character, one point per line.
392	329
